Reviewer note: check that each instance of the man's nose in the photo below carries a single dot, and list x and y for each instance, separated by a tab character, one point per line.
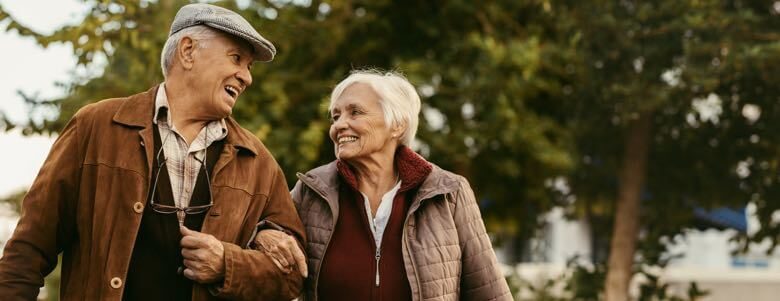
245	77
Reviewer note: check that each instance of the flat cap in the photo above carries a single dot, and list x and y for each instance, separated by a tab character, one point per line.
224	20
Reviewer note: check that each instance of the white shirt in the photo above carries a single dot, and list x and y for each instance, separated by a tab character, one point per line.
379	223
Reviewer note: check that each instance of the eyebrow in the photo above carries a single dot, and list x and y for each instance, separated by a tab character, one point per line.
241	50
349	106
244	53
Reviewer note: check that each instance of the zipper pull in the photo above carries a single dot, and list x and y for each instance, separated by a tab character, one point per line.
377	257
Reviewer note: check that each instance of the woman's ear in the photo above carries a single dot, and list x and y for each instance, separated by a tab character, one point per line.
185	51
398	130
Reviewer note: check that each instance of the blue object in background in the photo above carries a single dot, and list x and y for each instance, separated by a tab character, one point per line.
723	218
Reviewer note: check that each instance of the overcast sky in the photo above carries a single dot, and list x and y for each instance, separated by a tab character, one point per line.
32	69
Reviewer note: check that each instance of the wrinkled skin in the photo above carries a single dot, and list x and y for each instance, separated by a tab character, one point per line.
283	250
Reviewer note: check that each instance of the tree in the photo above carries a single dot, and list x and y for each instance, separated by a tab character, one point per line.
486	115
667	85
646	109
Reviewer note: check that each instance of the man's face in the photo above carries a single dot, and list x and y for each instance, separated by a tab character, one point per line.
220	73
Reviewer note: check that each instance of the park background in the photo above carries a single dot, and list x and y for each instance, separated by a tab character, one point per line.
616	147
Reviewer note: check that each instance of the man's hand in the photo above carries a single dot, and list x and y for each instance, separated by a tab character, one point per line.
283	250
204	256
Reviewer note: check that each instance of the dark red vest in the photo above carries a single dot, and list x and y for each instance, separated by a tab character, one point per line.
349	267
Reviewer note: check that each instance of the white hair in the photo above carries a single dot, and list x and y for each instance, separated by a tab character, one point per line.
397	97
197	32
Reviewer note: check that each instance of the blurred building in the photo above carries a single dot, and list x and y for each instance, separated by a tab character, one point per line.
706	256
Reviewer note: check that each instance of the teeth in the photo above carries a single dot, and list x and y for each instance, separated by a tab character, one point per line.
232	90
347	139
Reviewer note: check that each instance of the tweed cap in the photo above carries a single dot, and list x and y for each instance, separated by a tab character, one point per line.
224	20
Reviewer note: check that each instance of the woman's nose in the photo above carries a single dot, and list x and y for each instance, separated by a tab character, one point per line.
340	124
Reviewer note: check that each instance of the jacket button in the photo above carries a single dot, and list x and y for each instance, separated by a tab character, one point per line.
138	207
116	282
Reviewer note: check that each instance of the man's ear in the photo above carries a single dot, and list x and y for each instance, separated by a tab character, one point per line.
185	51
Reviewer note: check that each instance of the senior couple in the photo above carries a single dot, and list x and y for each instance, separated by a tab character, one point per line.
163	196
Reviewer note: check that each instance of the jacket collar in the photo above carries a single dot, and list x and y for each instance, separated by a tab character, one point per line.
138	111
412	169
325	180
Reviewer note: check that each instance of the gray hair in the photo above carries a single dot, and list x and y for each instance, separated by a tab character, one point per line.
397	97
198	32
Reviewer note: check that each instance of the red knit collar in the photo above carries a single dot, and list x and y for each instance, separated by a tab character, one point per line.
412	169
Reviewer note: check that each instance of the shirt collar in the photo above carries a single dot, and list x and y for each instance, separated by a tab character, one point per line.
161	106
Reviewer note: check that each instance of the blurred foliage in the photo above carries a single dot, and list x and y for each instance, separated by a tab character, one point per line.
14	199
52	281
581	282
489	113
530	100
702	70
653	288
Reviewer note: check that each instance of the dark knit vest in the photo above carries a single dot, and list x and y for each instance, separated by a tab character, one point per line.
349	267
154	272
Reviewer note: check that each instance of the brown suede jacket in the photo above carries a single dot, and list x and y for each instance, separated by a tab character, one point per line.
89	196
447	254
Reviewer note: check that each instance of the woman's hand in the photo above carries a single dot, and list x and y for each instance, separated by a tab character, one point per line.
283	250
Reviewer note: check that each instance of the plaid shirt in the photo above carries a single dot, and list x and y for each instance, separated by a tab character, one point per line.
182	160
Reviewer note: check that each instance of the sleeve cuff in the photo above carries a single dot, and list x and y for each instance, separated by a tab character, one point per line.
222	289
262	225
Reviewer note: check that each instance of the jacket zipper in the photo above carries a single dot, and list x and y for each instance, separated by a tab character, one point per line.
377	253
377	257
404	238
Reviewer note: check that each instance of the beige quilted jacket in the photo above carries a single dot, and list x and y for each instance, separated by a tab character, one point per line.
447	253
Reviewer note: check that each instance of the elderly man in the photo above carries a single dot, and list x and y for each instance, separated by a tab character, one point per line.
157	196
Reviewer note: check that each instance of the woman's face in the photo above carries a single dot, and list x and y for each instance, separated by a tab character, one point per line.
358	127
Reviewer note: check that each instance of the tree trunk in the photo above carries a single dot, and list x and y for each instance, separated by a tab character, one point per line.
626	226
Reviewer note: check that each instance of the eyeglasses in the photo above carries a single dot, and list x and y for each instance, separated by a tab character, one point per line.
180	212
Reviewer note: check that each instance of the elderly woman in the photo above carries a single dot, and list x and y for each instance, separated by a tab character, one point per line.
382	222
